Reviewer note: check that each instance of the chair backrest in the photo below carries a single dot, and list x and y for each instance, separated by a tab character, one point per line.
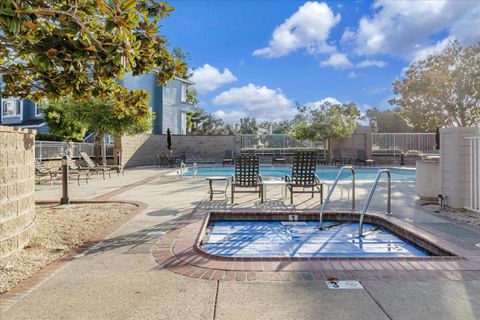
277	154
228	154
304	168
246	171
88	160
40	168
361	154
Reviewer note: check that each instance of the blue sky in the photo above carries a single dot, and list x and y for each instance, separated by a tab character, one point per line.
259	58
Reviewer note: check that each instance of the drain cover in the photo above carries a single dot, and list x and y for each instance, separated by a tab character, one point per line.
347	284
293	223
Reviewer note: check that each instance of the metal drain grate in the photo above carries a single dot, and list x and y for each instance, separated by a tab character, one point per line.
345	284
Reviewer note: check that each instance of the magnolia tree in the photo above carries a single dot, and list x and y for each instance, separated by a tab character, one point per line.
326	122
52	49
442	90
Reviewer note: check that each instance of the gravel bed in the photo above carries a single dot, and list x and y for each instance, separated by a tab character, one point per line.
460	215
56	232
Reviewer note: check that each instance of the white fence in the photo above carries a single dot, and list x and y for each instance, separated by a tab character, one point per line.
474	172
275	141
408	143
48	150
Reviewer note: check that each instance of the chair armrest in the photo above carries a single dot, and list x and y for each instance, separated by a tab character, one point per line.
232	179
287	178
259	178
317	178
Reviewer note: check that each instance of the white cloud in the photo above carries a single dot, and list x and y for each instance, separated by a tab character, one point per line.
316	104
308	28
258	101
208	78
351	75
405	28
230	116
337	61
371	63
433	49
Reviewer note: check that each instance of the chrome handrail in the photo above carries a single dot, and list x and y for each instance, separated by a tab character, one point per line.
327	199
370	196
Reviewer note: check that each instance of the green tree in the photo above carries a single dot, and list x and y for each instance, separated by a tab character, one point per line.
64	121
388	121
327	122
200	122
442	90
69	119
248	126
50	49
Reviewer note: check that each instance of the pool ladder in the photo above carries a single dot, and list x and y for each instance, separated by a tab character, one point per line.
369	197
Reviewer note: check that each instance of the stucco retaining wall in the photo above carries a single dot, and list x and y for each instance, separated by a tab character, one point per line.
148	149
17	185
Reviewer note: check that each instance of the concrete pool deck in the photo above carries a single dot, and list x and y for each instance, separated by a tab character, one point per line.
119	278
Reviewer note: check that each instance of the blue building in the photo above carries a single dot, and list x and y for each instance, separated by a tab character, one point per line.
168	102
22	113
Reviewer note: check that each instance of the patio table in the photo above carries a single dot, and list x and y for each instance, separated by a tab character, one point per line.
212	191
274	182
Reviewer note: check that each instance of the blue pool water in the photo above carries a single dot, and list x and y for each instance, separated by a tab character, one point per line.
323	173
301	239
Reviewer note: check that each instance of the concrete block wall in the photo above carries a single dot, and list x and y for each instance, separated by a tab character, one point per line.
17	186
454	165
147	149
360	139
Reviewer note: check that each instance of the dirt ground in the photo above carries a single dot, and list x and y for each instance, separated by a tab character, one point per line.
56	232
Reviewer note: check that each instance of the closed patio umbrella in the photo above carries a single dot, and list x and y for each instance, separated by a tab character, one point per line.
437	139
169	140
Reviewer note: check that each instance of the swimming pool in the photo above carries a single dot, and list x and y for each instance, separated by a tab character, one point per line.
302	239
323	173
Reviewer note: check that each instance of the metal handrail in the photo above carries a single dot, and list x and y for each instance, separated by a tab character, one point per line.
370	196
327	199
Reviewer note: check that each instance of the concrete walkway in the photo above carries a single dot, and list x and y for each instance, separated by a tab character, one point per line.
120	279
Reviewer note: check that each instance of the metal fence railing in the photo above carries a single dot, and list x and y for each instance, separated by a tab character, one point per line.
48	150
275	141
407	143
474	173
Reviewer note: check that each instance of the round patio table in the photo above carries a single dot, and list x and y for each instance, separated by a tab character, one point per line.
212	191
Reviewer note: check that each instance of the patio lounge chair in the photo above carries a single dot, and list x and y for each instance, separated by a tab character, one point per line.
99	168
363	159
247	176
74	169
338	157
228	157
42	171
304	175
278	157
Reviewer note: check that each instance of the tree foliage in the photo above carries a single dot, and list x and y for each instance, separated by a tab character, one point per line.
388	121
442	90
248	126
70	118
327	121
51	49
64	121
200	122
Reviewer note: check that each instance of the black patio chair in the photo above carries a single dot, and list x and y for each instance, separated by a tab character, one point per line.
228	157
338	157
304	175
278	157
247	176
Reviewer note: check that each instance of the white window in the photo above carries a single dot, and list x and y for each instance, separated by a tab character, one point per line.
11	108
39	109
184	93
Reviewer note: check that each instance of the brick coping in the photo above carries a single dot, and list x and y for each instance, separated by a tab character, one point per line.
179	251
10	297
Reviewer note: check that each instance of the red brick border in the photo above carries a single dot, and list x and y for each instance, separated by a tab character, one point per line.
10	297
179	252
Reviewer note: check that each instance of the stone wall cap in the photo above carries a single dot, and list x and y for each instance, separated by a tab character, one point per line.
17	130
